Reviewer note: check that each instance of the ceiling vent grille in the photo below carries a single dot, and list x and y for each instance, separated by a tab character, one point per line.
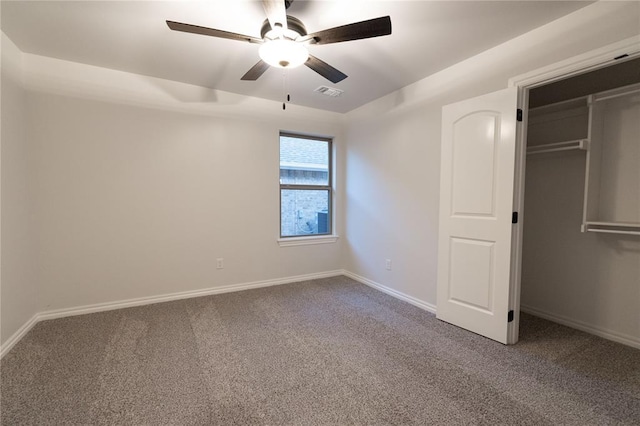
329	91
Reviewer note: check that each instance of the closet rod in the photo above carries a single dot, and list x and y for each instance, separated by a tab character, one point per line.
614	231
543	151
623	224
560	146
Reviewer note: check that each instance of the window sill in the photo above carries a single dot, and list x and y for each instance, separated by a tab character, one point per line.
304	241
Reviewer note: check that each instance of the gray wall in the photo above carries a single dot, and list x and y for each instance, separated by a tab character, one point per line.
393	158
129	182
18	282
113	189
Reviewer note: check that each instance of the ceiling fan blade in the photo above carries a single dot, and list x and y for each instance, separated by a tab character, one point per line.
356	31
325	70
276	13
256	71
195	29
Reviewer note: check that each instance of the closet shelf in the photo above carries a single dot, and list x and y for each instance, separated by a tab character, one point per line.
616	93
582	144
627	228
560	106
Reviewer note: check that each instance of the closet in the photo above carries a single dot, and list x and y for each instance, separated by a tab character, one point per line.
581	241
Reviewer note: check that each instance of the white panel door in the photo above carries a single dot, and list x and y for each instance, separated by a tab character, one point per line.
476	204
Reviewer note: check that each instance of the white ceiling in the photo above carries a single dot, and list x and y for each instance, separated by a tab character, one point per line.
132	36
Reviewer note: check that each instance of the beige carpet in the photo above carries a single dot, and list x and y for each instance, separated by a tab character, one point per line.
328	351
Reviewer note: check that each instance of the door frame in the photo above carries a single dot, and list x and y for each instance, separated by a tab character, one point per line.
590	61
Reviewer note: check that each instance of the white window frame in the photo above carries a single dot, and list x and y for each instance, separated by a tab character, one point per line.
297	240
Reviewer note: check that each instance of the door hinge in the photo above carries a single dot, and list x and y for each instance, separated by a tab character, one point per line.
510	316
514	217
519	114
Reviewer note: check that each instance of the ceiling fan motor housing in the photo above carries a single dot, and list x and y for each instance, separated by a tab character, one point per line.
293	24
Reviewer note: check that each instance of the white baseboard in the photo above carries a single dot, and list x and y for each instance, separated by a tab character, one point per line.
391	292
88	309
100	307
579	325
109	306
582	326
19	334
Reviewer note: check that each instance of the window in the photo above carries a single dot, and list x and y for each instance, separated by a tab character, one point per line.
305	186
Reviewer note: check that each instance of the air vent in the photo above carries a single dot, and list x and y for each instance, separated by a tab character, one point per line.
329	91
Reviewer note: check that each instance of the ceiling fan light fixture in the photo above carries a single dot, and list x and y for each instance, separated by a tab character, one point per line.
283	53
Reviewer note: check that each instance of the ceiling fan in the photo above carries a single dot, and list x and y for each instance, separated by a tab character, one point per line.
284	40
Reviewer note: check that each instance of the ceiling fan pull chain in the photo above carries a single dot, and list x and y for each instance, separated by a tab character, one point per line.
284	88
286	83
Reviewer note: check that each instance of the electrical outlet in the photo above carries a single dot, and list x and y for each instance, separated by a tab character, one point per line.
387	264
219	263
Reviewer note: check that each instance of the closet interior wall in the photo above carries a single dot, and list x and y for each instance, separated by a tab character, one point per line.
587	279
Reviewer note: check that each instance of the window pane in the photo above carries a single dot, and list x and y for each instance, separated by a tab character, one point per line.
304	212
303	161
